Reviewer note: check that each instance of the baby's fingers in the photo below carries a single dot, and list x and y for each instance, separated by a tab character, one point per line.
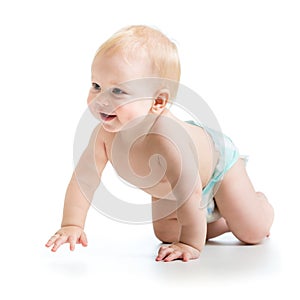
168	254
61	240
72	241
163	252
52	240
174	255
83	240
186	256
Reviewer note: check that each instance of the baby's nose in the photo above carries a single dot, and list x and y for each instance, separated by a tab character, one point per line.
103	101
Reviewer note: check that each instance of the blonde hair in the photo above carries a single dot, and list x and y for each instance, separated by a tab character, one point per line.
162	52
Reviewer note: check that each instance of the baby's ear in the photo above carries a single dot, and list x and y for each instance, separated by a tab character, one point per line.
160	101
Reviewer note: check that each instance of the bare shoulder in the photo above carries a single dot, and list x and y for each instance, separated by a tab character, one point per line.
192	142
168	128
171	140
163	140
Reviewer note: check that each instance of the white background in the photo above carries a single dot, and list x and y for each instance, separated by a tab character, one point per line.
242	57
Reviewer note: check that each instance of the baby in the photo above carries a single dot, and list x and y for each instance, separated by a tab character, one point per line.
195	175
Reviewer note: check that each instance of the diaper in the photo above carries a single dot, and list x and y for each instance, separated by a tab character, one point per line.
228	156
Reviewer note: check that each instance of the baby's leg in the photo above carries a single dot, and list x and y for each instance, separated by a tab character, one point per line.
216	228
167	229
248	214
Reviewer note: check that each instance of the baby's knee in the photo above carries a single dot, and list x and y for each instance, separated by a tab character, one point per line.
254	236
252	239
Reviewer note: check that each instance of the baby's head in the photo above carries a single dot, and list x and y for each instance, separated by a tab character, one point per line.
146	43
136	63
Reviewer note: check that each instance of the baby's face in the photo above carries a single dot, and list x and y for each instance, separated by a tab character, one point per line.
119	94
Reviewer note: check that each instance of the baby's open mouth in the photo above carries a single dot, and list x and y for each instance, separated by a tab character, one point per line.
106	117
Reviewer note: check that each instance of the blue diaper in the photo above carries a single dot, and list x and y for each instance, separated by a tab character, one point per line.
228	156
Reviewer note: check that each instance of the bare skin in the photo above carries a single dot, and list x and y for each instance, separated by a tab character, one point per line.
245	213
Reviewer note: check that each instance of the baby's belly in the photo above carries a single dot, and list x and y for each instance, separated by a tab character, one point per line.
163	190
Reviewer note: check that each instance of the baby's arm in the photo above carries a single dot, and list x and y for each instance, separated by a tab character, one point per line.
192	219
192	222
183	175
81	188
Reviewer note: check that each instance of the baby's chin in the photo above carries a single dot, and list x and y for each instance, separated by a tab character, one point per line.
110	128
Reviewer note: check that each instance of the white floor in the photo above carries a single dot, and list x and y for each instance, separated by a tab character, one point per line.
120	262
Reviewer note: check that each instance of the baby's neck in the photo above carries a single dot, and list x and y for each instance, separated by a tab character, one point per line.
138	128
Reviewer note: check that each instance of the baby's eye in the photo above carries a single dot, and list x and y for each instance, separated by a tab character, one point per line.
117	91
96	86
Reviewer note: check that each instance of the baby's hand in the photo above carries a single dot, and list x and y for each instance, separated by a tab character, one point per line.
177	251
67	234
